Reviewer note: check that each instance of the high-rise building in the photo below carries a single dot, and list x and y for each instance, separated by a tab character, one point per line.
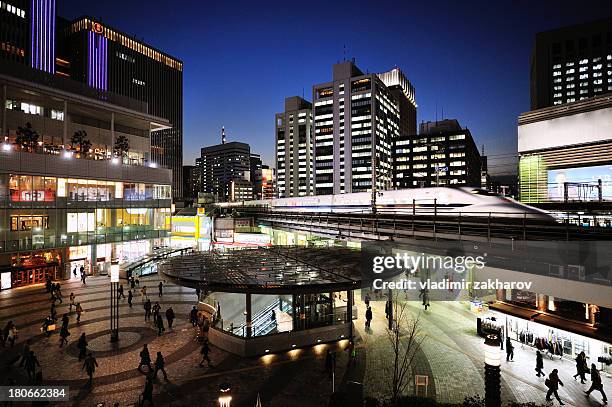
264	183
191	181
294	149
403	92
223	163
442	154
356	120
571	63
255	169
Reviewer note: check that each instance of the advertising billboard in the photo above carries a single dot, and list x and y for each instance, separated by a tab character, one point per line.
582	183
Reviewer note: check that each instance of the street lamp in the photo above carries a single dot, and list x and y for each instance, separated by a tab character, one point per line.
114	308
225	397
492	355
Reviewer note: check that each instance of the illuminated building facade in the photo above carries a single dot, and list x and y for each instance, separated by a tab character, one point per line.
442	154
356	119
109	60
565	154
571	64
294	149
223	163
65	202
404	93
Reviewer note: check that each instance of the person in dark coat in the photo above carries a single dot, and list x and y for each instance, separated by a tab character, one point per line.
147	394
65	321
160	287
147	308
25	353
5	332
368	316
129	298
539	364
170	317
204	352
581	367
159	322
159	365
145	358
64	334
30	365
89	366
193	316
553	383
509	350
82	346
596	383
120	292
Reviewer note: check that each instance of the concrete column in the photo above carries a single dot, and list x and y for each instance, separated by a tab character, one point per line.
349	310
65	130
112	130
4	127
249	317
92	260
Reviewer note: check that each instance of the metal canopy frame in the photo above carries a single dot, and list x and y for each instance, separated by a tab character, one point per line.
269	270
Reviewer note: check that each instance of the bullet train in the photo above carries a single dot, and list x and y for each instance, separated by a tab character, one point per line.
442	201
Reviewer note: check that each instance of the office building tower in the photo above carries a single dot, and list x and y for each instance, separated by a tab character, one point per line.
109	60
571	63
294	149
403	92
255	168
223	163
191	181
442	154
264	183
356	120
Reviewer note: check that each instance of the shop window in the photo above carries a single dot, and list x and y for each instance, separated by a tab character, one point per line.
27	222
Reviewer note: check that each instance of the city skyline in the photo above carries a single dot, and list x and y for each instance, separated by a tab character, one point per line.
216	43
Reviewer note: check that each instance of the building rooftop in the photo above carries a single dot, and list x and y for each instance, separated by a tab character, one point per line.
566	109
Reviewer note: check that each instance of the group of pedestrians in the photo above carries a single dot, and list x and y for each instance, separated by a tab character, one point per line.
553	381
145	360
9	334
155	312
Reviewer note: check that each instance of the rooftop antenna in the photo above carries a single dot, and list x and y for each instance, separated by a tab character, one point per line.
483	150
222	134
436	112
344	53
302	92
442	113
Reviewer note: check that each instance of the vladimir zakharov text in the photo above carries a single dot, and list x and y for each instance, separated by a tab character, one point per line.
445	284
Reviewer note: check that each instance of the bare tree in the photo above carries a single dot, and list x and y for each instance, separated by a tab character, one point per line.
405	339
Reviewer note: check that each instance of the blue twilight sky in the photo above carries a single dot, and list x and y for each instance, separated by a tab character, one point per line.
242	58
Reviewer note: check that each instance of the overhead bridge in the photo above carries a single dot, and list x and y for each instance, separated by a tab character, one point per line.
392	226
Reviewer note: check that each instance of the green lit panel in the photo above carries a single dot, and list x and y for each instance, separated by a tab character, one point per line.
532	179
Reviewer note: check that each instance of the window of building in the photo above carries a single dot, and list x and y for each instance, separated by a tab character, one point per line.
457	137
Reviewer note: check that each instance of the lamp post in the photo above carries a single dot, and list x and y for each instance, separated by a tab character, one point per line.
225	397
492	355
114	308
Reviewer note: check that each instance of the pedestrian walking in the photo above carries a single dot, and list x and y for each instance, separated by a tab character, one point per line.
30	365
83	276
120	291
147	308
82	346
159	365
159	322
193	316
509	350
5	332
79	311
129	298
89	366
65	321
539	364
581	367
198	292
137	281
58	292
143	293
74	272
388	308
204	352
64	334
145	358
170	317
132	282
596	383
72	297
156	309
553	383
25	353
367	300
147	394
48	326
53	311
368	316
12	336
160	287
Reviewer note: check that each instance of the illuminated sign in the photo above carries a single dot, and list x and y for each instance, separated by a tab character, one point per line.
582	183
97	28
114	275
5	280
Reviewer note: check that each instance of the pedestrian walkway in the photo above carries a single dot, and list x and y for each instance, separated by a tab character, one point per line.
452	356
277	378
